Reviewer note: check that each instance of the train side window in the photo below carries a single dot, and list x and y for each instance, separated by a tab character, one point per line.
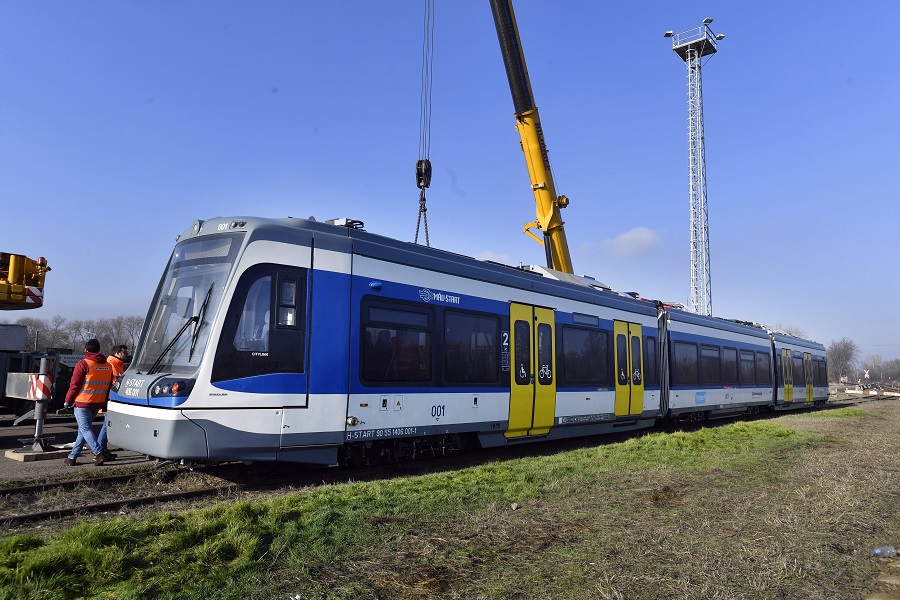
522	352
821	373
651	367
253	329
287	303
799	375
471	348
710	366
252	342
747	373
396	344
585	356
729	366
685	363
763	370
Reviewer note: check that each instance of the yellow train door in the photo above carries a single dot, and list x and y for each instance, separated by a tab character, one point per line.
629	363
808	375
787	372
532	398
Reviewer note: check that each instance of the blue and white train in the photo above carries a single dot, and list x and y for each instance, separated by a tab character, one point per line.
320	343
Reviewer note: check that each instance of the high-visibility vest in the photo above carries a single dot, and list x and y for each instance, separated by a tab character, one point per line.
118	366
96	383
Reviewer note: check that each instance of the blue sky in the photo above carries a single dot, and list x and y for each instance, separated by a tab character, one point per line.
122	122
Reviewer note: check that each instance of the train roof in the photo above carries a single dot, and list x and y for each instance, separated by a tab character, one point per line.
347	235
743	327
792	339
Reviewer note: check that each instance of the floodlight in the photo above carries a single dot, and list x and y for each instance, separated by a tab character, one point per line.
669	34
707	20
720	36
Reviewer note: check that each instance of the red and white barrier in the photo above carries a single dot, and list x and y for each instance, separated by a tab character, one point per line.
39	388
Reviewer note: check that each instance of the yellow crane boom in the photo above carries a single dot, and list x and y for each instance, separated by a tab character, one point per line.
21	281
528	124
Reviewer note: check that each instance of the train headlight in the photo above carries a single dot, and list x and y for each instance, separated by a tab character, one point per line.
169	386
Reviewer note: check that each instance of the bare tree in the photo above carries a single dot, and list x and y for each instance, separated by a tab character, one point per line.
790	330
117	331
90	330
75	330
37	330
60	333
874	365
132	326
842	355
103	333
56	333
892	370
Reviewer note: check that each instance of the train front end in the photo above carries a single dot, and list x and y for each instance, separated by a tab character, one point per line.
145	404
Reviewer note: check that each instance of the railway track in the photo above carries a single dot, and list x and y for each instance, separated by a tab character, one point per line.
127	491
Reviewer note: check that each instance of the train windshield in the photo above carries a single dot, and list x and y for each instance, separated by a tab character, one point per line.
177	331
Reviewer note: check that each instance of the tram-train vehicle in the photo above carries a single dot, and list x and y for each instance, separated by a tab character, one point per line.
318	342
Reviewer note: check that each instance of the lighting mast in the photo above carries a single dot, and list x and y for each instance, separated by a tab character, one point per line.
691	46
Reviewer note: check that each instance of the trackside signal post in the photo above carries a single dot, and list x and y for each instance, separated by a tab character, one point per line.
691	46
528	124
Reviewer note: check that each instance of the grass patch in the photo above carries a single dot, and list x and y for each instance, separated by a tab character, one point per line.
657	515
843	413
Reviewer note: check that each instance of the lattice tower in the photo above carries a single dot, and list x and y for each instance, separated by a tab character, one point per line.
692	46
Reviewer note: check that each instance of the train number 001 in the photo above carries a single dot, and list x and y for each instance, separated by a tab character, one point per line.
438	410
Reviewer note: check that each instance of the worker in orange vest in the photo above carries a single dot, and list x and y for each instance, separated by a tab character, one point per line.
88	390
116	359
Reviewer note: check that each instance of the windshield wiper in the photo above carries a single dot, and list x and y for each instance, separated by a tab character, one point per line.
162	354
202	313
198	319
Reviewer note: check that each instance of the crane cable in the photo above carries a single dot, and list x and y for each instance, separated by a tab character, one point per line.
423	164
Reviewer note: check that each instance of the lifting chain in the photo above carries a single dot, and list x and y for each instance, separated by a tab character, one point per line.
423	180
423	165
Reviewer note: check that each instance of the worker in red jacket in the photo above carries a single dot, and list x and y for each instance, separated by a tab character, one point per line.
88	390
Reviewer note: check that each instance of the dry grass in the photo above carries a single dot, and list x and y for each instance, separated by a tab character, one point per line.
798	525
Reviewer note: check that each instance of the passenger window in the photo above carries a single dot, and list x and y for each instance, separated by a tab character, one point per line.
396	344
686	362
471	348
730	366
799	375
585	356
253	329
651	368
252	341
710	366
747	374
763	371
